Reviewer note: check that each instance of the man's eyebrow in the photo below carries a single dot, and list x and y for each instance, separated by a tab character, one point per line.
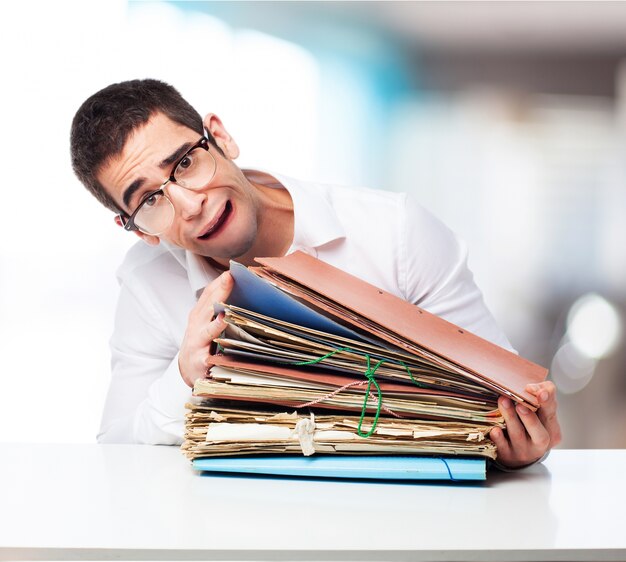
131	189
167	161
176	155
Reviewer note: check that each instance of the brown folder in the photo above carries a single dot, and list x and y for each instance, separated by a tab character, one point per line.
332	380
264	383
368	308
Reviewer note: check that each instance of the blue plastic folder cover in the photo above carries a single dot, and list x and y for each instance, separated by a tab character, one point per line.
361	467
253	293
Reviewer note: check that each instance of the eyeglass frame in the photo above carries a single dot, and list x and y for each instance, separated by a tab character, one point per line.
128	221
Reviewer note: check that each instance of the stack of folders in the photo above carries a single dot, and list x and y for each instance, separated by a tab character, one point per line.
315	361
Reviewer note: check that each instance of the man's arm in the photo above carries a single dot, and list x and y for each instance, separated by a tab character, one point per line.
435	276
439	280
147	394
143	404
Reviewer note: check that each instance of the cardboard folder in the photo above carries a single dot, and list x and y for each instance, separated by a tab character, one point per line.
233	379
357	307
308	346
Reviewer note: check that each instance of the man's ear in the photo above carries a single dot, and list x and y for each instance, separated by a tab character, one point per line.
147	238
214	125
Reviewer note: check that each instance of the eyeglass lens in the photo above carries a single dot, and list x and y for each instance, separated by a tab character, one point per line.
194	171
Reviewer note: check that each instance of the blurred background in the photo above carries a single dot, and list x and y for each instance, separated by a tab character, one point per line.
506	119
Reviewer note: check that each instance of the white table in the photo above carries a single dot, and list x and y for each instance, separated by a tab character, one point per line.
112	502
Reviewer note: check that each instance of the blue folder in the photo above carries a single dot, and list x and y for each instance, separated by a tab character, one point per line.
253	293
354	467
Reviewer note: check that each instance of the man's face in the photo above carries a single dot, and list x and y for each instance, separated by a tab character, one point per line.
218	220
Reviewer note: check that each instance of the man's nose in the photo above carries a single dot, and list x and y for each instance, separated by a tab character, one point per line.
187	202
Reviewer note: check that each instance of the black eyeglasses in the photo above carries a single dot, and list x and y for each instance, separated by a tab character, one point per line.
155	213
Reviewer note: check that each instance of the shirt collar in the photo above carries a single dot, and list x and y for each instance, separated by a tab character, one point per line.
315	224
199	271
315	220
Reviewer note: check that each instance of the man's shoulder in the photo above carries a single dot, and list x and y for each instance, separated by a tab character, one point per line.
395	212
355	199
395	208
366	194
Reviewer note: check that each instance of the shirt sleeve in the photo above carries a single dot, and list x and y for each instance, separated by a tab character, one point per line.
434	272
438	279
147	395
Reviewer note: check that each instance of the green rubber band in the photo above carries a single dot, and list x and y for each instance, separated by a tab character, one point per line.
369	375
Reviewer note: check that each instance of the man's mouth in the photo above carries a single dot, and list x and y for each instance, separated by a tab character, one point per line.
217	225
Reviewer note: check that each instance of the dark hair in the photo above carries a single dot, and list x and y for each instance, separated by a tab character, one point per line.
105	120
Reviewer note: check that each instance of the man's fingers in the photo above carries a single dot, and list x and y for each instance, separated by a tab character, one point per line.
535	429
551	423
504	448
217	291
530	434
202	329
544	391
514	426
214	328
194	365
546	394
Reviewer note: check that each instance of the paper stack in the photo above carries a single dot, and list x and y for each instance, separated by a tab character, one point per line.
316	361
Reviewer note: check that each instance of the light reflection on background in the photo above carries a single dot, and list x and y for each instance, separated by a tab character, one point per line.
593	332
514	136
594	326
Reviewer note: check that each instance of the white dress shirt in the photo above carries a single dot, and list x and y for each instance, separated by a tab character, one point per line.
384	238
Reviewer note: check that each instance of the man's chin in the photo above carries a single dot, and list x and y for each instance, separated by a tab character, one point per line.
240	252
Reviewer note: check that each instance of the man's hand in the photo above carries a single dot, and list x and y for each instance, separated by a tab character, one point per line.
529	435
202	328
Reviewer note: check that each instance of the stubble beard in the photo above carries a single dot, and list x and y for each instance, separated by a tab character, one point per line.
240	247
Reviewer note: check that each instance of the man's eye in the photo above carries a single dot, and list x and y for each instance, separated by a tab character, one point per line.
185	163
151	200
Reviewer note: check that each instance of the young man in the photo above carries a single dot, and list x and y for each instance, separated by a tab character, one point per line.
170	177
